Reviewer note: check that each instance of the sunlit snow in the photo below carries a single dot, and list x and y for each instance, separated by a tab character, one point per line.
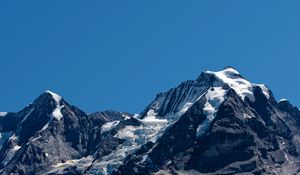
215	96
55	96
81	164
57	111
232	77
151	117
11	152
282	100
27	115
153	126
109	126
2	114
264	89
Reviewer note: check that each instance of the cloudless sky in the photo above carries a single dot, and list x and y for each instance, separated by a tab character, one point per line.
119	54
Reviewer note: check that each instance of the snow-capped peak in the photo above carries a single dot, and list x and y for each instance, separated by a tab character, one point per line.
234	80
215	97
55	96
282	100
230	70
57	111
2	114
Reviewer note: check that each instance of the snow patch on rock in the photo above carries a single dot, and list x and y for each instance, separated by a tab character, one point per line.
45	126
109	126
13	138
36	138
55	96
233	78
3	114
215	97
152	117
81	165
242	87
282	100
12	151
247	116
126	117
127	133
264	89
57	111
134	137
4	136
27	115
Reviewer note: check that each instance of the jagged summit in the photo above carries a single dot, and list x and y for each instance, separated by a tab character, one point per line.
228	70
220	123
232	78
224	124
2	114
47	98
176	101
55	96
230	67
224	76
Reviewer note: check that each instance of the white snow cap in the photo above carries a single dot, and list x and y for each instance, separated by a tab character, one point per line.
55	96
242	87
282	100
215	97
57	111
2	114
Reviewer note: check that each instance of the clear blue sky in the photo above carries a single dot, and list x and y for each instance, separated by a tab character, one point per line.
119	54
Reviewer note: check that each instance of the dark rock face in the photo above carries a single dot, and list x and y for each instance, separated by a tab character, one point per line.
234	144
40	140
264	142
108	116
203	126
175	99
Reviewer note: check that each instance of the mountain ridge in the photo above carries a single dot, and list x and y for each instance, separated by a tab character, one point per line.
219	123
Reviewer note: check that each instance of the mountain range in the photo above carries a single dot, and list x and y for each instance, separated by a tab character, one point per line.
218	124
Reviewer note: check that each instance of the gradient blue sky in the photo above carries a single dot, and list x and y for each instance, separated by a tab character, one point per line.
119	54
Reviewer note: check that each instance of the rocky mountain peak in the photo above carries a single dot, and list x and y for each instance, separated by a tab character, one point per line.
55	96
46	101
231	78
220	123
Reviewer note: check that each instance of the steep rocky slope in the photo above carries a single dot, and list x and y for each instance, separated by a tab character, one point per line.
219	123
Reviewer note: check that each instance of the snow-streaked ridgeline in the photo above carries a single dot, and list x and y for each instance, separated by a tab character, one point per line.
184	130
